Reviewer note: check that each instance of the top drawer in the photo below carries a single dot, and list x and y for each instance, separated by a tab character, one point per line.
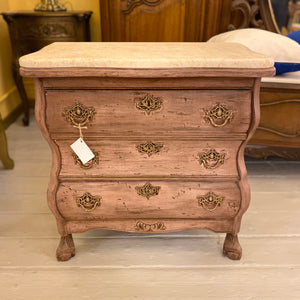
148	112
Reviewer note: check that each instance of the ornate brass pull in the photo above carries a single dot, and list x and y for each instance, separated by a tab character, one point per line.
219	115
89	164
210	201
141	226
211	159
149	148
148	103
88	202
79	115
147	190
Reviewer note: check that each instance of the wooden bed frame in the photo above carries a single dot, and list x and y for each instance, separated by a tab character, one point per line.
196	21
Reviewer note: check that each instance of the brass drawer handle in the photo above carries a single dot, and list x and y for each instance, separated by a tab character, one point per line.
210	201
89	164
148	103
219	115
141	226
147	190
79	115
88	202
149	148
211	159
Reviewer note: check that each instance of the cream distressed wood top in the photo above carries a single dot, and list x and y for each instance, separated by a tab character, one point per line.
145	55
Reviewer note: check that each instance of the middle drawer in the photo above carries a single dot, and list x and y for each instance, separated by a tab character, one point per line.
155	157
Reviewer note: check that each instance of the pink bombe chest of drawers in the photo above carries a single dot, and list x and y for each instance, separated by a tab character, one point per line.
167	124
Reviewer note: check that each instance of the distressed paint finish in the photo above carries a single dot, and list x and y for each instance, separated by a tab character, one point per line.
181	127
183	130
179	124
180	157
180	111
120	200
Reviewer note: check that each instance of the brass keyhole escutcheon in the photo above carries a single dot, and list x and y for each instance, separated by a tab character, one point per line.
149	148
148	103
147	190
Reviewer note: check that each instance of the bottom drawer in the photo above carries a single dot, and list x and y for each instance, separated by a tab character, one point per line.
155	199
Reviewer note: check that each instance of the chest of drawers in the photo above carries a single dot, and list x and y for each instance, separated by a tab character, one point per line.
168	124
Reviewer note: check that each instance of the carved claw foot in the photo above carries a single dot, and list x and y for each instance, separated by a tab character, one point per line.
232	248
66	248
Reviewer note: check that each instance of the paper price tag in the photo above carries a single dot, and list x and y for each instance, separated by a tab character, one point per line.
82	150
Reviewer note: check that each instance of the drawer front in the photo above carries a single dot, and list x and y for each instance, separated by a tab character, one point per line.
154	199
140	157
147	112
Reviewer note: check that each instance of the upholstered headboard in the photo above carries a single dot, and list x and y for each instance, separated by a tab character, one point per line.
180	20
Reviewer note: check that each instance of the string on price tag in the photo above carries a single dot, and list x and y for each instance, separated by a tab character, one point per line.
81	149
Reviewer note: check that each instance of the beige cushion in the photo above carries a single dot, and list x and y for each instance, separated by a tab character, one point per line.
279	47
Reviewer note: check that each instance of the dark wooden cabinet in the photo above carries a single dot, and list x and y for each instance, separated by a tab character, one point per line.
30	31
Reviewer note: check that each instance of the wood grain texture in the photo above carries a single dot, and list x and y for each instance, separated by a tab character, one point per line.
280	125
40	109
179	111
243	183
146	83
176	158
169	225
157	282
159	21
180	20
175	200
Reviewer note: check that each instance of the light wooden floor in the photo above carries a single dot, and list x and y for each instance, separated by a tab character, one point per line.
115	265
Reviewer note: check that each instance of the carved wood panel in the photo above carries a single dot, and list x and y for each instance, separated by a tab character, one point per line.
180	20
163	20
252	14
129	5
48	30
